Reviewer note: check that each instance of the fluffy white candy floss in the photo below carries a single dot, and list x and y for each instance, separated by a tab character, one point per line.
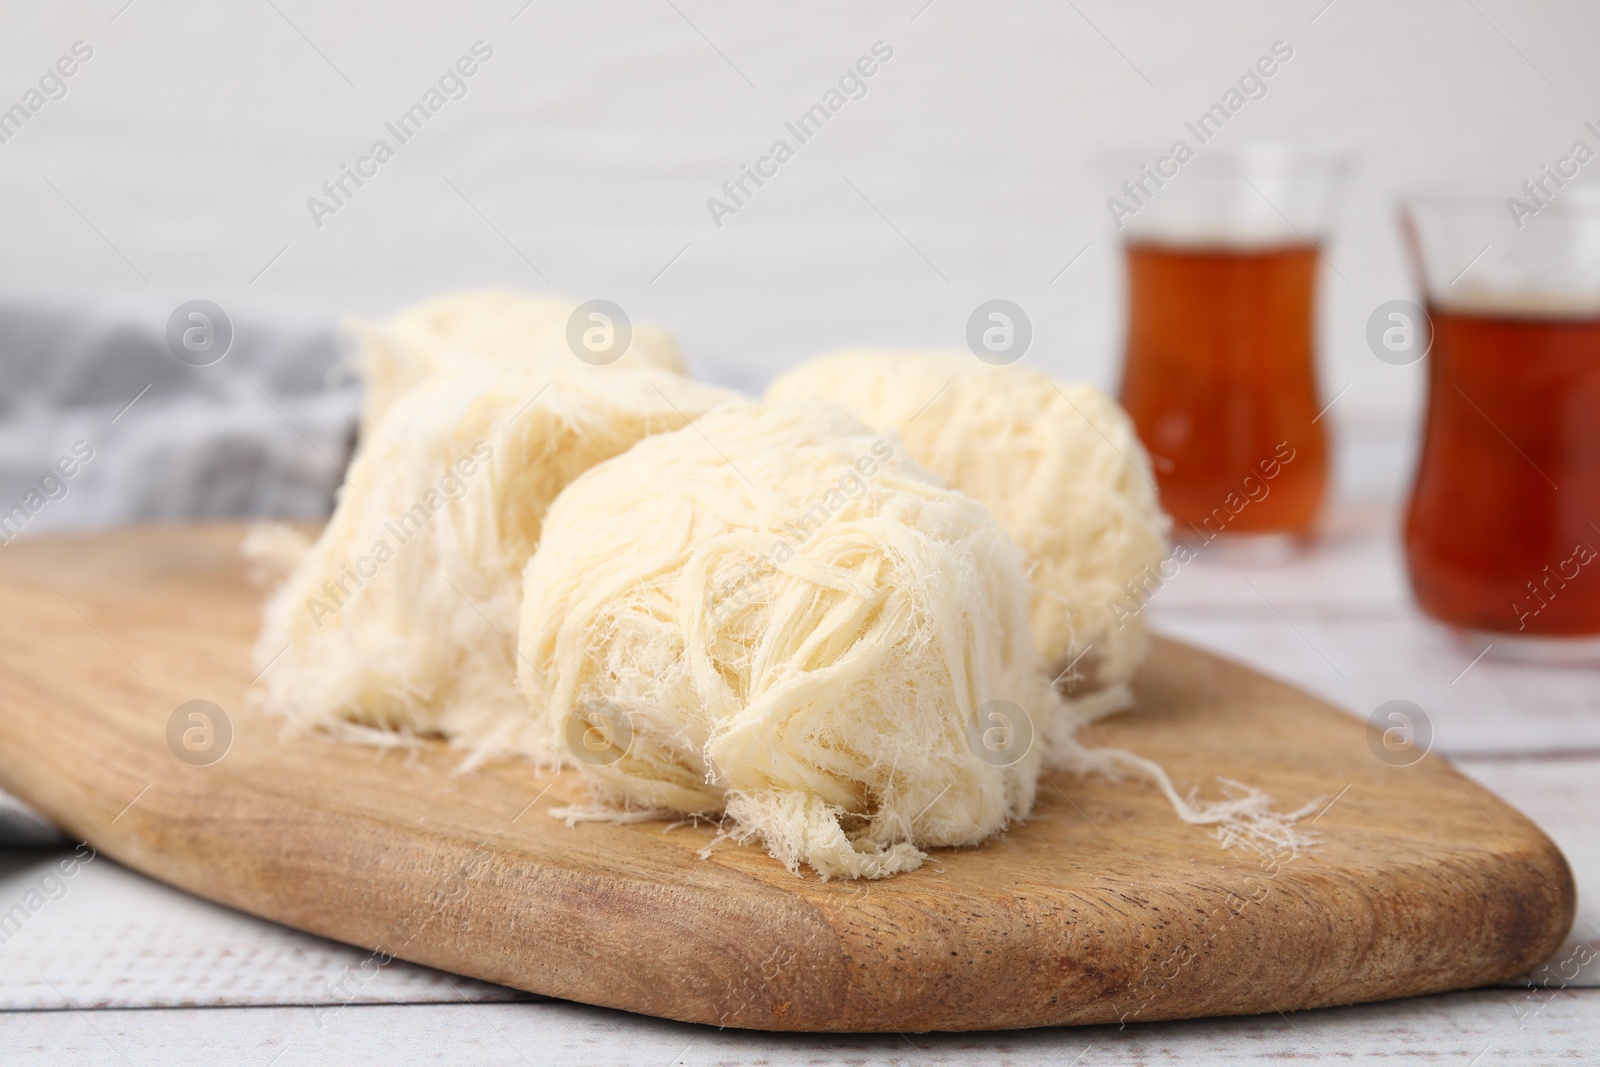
1058	463
399	619
491	329
773	615
770	617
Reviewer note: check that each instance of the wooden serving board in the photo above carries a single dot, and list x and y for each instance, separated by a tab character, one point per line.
1103	907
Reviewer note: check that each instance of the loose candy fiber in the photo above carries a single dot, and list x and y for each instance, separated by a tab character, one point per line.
499	328
400	619
775	615
1057	463
775	618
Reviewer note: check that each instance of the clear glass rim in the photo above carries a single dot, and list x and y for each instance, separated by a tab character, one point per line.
1545	262
1578	200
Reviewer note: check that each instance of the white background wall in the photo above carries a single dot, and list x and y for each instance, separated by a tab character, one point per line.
594	136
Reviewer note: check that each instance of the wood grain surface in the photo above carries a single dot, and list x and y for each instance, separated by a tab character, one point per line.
1102	908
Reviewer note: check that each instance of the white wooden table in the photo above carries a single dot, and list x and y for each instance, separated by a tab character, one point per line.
120	969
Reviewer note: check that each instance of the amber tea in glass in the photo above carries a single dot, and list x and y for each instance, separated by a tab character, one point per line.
1219	373
1502	536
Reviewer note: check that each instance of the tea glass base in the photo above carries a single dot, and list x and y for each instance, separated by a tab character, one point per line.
1583	651
1252	550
